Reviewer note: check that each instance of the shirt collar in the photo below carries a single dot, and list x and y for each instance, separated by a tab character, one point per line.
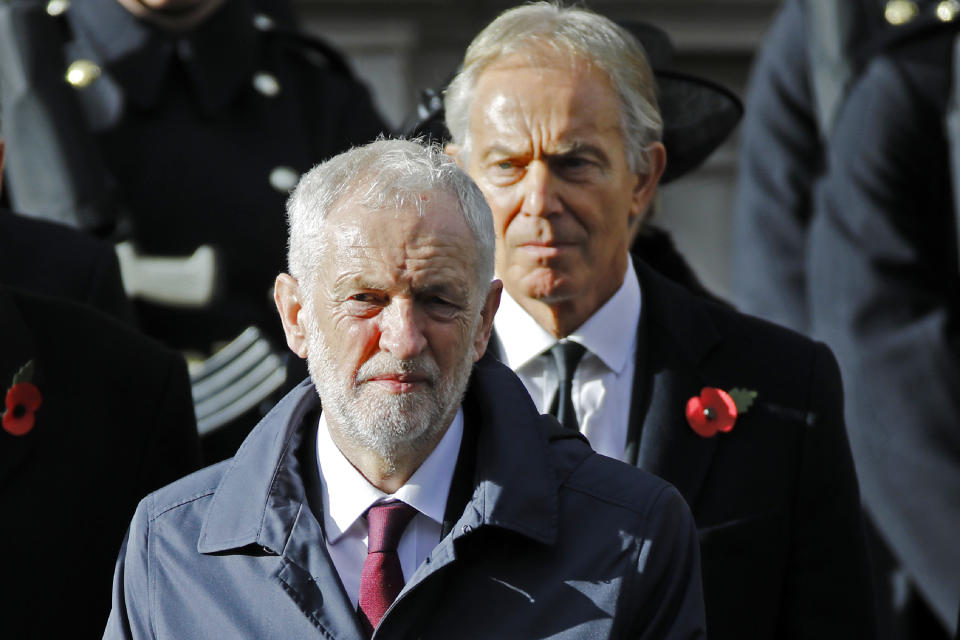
602	334
218	55
426	490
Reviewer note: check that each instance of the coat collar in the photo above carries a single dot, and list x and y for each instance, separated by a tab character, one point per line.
261	498
219	55
677	337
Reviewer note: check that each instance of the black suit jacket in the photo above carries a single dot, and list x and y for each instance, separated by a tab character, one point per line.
116	421
775	500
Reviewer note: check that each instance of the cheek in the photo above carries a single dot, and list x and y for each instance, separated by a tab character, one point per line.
504	204
352	341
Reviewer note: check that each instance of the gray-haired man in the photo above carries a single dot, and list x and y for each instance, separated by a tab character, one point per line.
554	114
428	498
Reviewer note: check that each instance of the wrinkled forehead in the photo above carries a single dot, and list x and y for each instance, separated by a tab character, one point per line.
421	228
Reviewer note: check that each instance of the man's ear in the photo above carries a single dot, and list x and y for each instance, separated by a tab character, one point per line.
453	150
289	301
490	306
647	181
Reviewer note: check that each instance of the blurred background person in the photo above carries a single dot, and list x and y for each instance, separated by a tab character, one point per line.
181	128
812	56
884	292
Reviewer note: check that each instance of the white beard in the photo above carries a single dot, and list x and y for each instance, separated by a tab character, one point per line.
393	426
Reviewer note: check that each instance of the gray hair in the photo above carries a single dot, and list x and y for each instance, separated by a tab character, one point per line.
584	35
382	174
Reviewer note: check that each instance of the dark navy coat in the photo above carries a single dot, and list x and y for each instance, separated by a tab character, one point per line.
546	539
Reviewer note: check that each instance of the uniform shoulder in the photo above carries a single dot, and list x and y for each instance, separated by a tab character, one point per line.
309	48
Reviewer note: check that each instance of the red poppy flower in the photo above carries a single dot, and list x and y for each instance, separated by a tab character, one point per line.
712	411
22	401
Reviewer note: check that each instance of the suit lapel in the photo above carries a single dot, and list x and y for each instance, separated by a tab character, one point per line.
16	348
675	337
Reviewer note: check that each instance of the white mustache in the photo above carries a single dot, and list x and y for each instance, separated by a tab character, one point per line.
385	365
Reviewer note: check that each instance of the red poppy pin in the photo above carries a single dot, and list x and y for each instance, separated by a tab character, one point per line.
22	401
715	410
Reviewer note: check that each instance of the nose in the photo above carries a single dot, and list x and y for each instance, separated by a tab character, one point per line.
400	332
540	191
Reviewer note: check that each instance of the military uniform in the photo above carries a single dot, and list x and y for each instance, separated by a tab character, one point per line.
201	135
885	295
791	100
183	146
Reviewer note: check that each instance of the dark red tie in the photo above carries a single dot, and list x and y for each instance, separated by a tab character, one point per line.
382	577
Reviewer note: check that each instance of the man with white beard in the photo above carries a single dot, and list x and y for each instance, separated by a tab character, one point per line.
428	498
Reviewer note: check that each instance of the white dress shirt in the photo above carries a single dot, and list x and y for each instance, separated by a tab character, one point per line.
347	495
602	382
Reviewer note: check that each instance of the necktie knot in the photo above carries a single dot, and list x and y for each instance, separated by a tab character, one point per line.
566	357
387	523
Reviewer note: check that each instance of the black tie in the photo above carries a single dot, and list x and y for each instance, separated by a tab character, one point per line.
566	356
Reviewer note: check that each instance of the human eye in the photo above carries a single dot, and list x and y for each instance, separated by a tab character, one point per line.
364	303
575	166
441	307
504	170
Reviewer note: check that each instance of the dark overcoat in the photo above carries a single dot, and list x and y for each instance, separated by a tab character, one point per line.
115	422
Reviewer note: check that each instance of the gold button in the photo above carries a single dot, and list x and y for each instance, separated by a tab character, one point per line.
57	7
81	73
900	12
948	10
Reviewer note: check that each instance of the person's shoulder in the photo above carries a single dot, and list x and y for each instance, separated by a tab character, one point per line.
40	246
191	493
671	304
604	480
70	332
309	49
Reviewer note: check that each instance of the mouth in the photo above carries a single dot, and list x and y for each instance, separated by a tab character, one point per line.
399	382
546	249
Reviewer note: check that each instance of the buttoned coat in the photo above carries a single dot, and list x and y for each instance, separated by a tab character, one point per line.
546	539
776	500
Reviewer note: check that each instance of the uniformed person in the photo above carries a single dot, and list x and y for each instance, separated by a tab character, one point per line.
810	55
884	293
181	128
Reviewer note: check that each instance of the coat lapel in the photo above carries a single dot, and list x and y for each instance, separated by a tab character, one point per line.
261	502
16	348
675	337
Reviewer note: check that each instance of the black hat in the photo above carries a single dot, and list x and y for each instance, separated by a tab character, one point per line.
698	115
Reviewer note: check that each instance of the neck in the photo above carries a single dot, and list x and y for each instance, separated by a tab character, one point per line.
385	472
560	318
178	19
